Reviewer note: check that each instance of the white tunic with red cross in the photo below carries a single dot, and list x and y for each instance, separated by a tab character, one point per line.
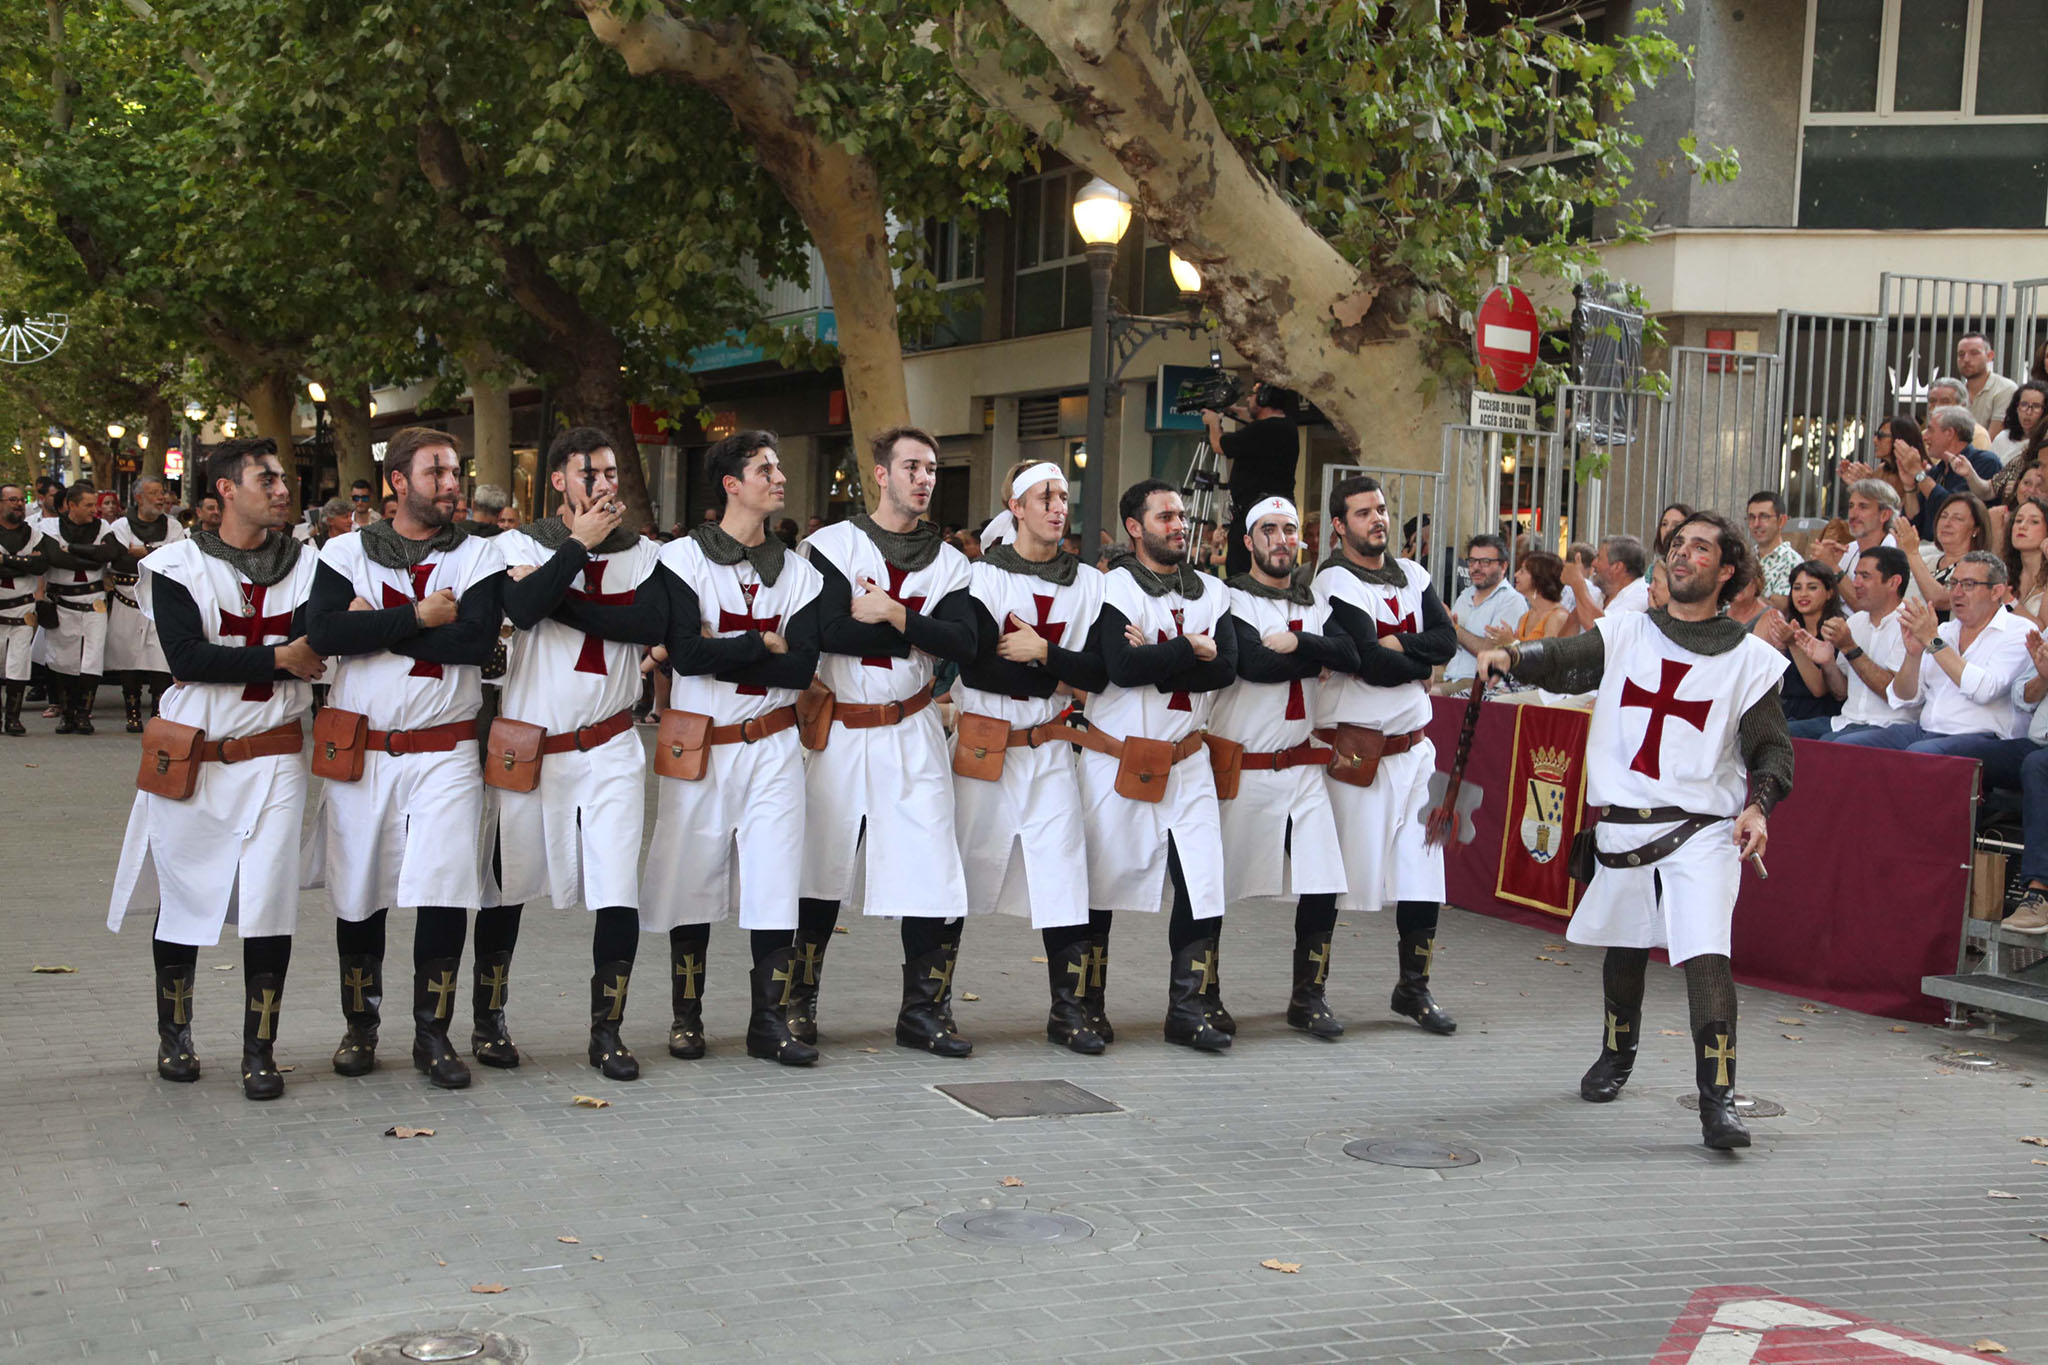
131	636
230	851
896	780
1279	835
1349	700
1127	840
1665	733
575	838
725	841
1020	836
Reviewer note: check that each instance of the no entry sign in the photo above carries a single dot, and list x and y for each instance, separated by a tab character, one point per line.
1506	332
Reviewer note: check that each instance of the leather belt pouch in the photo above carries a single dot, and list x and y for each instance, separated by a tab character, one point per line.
814	716
513	762
46	614
682	746
339	738
1584	856
982	743
1226	762
1142	771
1358	751
170	759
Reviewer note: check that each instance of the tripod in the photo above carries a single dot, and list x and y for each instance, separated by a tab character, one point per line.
1202	491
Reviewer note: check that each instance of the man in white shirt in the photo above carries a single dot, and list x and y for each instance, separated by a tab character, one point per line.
1872	504
1619	573
1962	673
2030	755
1487	602
1871	645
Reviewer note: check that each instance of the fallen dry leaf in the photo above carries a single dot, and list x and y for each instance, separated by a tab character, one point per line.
439	1261
1792	1037
871	1049
493	1288
1811	1009
399	1130
1553	948
1898	1028
1999	1194
2037	1141
596	1256
1284	1267
1790	1019
224	967
590	1102
2037	1161
969	995
1671	1032
1011	1182
1944	1071
54	971
840	929
572	1241
1986	1346
1038	959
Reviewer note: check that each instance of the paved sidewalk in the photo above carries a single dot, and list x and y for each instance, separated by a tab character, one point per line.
728	1209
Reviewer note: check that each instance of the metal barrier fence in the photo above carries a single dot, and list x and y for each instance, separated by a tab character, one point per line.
1722	440
1828	363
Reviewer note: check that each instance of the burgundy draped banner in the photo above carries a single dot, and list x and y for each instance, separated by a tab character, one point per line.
1869	858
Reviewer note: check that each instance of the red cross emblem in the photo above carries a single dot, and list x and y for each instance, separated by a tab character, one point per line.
1179	701
256	630
1051	631
1404	624
1297	705
394	598
895	590
590	659
732	620
1662	703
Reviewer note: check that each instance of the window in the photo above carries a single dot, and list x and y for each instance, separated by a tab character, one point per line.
953	253
1925	114
1052	270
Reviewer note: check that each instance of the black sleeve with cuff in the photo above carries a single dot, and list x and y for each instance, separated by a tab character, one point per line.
195	659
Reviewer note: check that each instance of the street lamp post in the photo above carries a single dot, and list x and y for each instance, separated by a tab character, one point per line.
318	393
1102	214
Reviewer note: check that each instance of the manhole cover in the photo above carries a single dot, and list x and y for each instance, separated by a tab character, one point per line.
473	1348
1016	1227
1968	1061
1027	1099
1746	1106
1423	1156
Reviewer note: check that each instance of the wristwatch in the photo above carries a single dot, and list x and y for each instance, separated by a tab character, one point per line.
1936	645
1926	474
1852	654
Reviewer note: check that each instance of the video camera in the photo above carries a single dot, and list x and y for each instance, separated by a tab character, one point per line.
1217	391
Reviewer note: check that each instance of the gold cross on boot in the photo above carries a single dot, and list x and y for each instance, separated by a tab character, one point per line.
1320	955
1721	1054
1078	969
616	993
1206	965
1615	1028
179	993
264	1006
497	981
943	975
787	976
807	956
360	982
443	990
692	972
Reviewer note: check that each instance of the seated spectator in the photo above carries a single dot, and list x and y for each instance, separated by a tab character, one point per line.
1814	686
1581	553
2025	421
1486	603
1539	578
1747	607
1868	647
2026	560
1954	465
2030	755
1987	393
1943	392
1962	525
1618	571
1871	506
1775	557
2032	485
1962	673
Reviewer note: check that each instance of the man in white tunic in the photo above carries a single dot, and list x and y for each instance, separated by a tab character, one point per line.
134	656
76	582
1154	835
743	645
878	818
581	589
22	566
409	608
1687	755
230	610
1279	833
1017	800
1375	719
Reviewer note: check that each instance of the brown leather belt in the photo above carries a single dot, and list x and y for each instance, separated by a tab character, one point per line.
754	728
869	715
589	737
1114	748
434	739
1300	756
1396	744
287	738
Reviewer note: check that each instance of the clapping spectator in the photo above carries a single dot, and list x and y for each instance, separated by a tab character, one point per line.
1487	602
1582	555
1943	392
1962	525
2030	916
1869	647
1775	558
2026	559
1814	685
1961	673
2025	421
1955	465
1871	505
1618	570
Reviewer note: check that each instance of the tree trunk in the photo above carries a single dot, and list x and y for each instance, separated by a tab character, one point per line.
348	426
596	397
157	426
271	406
491	413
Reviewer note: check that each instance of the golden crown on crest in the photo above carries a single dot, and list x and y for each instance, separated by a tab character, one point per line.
1550	764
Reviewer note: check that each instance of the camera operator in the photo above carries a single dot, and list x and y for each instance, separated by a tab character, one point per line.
1258	458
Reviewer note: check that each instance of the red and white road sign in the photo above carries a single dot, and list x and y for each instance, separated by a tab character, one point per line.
1744	1325
1506	332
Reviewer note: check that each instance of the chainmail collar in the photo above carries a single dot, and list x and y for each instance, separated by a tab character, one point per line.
73	534
1716	636
1297	590
149	532
1185	580
553	534
1390	574
1059	571
269	563
388	549
906	550
14	539
721	548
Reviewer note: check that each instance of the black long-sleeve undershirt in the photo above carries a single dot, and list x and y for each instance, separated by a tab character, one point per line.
946	631
690	651
1420	652
988	671
471	638
32	565
62	554
195	659
1170	665
532	599
643	621
1312	654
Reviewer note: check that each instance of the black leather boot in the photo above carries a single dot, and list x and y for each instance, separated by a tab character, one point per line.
261	1080
1098	987
1619	1038
362	1004
434	988
1212	999
1411	995
175	1058
773	982
686	1026
926	1019
131	705
12	722
1308	1008
490	1043
807	962
1067	1024
85	693
1187	999
1714	1055
159	683
61	689
608	1051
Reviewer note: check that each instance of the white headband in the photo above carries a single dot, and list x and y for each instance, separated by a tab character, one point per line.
1268	508
1029	479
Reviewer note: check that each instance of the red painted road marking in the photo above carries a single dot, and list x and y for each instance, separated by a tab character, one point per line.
1746	1325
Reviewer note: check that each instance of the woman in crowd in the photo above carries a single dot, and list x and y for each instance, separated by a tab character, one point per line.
1539	577
2026	417
1810	689
2031	485
2026	559
1962	525
1668	521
